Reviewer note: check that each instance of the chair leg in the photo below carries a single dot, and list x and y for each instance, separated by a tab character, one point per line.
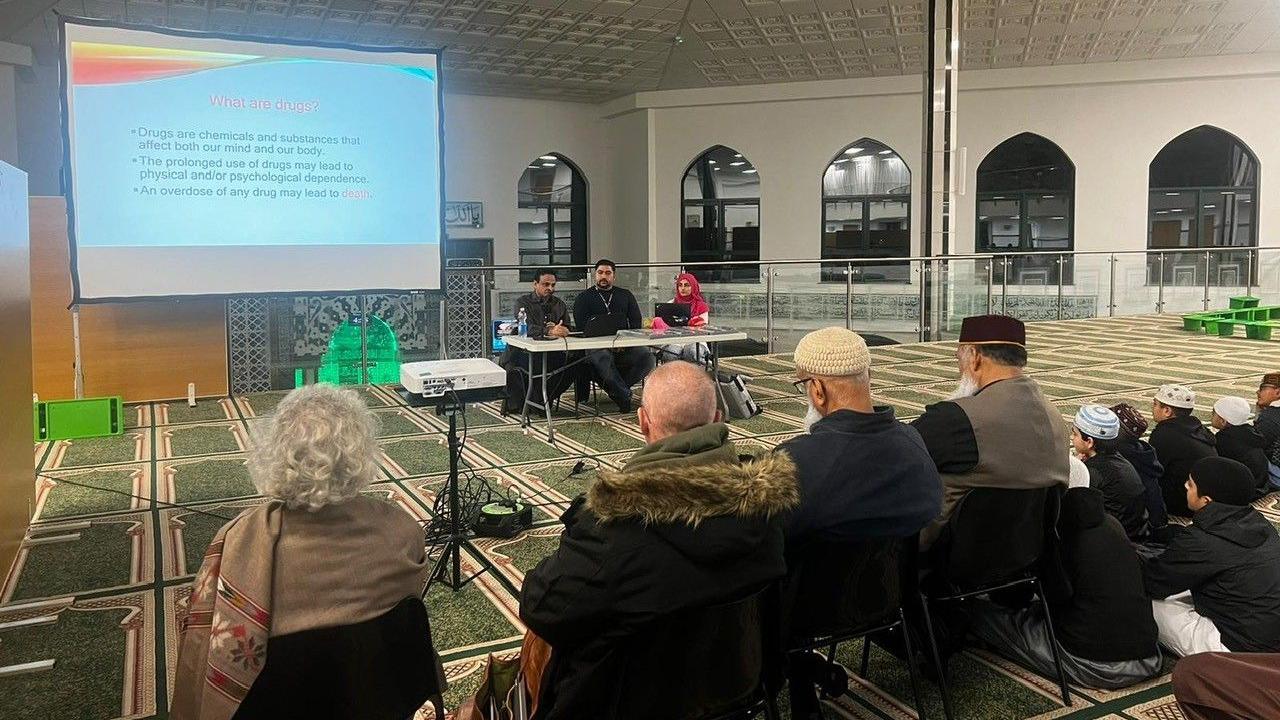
937	660
866	656
912	671
1053	644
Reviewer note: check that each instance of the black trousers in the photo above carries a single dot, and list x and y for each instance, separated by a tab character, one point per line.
618	370
518	373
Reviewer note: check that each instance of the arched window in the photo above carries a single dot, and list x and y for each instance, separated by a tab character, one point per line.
720	199
1203	194
866	212
552	214
1025	188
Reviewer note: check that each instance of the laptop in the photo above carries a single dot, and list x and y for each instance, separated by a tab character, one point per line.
674	314
602	325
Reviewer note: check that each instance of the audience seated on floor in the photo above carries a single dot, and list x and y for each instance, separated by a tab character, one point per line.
616	370
1180	440
276	604
1000	431
862	474
1095	435
1140	454
688	292
1101	616
1216	588
1268	422
1228	686
1240	441
547	317
684	524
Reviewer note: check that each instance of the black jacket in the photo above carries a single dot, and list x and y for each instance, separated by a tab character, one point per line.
1245	445
1179	442
1100	609
591	302
1122	491
539	312
683	525
1268	423
861	475
1143	458
1229	558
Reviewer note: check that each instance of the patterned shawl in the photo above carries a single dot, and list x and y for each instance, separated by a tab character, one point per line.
223	644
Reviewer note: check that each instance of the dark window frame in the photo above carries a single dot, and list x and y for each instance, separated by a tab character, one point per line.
1024	195
833	271
579	221
720	251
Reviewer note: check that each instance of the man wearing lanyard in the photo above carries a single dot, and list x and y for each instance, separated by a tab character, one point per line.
617	370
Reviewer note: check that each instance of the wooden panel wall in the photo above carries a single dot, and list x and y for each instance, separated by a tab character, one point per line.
17	462
146	350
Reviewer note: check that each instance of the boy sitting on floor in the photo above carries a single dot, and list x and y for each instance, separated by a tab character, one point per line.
1216	588
1095	436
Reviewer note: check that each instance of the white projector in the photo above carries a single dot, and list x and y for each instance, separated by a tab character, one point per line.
434	378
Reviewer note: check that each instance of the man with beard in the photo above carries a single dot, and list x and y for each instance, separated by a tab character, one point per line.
862	474
998	430
617	370
547	317
1268	422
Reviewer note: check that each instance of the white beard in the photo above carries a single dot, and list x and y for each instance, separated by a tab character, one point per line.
968	387
811	417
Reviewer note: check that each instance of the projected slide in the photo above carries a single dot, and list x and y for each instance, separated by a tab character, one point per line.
212	166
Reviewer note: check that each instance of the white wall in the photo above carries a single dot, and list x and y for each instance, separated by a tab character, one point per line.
1110	119
489	141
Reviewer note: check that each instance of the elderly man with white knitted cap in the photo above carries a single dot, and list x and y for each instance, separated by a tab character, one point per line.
999	430
862	474
1179	439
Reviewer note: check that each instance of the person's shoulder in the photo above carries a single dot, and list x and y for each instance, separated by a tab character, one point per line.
386	514
940	409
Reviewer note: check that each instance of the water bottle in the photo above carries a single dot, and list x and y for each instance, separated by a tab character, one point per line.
522	320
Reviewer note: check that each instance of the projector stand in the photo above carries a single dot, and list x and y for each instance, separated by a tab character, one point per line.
448	567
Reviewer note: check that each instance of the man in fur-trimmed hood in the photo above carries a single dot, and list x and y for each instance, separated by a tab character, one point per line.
684	524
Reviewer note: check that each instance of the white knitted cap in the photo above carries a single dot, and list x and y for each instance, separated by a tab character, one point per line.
832	352
1235	410
1179	396
1098	421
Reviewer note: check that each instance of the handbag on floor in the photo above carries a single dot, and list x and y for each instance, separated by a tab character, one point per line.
737	398
501	693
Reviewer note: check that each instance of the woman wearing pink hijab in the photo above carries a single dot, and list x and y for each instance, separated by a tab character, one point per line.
689	293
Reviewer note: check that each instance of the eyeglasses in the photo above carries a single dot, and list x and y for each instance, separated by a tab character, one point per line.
801	385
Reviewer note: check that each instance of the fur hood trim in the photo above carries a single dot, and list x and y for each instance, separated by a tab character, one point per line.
761	487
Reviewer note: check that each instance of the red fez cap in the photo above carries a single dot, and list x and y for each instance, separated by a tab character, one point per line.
993	329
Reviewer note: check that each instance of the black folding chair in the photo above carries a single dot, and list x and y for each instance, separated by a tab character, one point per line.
380	669
992	542
838	592
706	663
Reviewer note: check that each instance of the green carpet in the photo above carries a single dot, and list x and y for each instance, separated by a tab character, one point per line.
112	585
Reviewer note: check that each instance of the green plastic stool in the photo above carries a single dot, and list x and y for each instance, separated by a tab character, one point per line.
1257	331
1226	328
1241	302
1193	323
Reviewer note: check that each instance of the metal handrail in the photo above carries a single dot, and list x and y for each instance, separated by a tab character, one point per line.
877	261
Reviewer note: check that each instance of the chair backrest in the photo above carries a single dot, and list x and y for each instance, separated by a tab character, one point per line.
993	535
697	663
841	588
384	668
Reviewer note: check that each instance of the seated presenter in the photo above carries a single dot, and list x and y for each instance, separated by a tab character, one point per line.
547	318
689	293
616	370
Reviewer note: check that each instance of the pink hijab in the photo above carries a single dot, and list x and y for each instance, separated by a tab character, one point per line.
697	306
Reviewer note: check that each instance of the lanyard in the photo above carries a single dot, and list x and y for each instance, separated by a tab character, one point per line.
608	304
